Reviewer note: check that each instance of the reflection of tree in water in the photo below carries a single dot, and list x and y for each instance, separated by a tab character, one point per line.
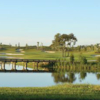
83	75
59	77
98	76
64	77
71	77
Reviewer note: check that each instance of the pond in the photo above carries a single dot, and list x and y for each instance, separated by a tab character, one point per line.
46	79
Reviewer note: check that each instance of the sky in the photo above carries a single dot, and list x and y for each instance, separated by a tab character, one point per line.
32	21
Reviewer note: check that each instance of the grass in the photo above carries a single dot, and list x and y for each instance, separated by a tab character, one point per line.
59	92
38	54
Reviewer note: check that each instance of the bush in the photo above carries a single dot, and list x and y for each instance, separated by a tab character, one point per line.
83	60
72	58
98	59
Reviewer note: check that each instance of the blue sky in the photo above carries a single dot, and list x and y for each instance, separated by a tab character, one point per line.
29	21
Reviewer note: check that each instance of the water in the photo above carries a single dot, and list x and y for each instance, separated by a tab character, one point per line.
46	79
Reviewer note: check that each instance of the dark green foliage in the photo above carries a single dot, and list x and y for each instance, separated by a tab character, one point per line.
82	59
98	59
71	58
63	43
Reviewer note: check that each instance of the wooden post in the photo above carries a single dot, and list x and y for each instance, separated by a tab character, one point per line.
33	65
14	65
25	65
3	65
52	66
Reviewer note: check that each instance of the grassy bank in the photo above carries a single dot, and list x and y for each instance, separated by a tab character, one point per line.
59	92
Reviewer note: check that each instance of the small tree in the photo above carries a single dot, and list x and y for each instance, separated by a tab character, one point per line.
83	60
98	59
26	46
18	44
37	45
72	58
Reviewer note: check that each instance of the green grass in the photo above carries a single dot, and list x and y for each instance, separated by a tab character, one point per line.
59	92
38	54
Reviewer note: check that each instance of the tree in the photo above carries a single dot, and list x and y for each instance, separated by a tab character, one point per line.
26	46
85	48
64	42
15	45
92	47
79	48
71	41
72	58
98	48
18	44
83	59
56	42
98	59
41	46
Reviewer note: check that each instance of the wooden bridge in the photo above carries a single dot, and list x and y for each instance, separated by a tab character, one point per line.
25	62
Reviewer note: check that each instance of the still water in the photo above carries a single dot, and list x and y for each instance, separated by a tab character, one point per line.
46	79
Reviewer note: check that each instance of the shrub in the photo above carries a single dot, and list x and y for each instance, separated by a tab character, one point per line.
98	59
83	60
71	58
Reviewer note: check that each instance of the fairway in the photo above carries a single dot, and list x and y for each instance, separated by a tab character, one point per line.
38	54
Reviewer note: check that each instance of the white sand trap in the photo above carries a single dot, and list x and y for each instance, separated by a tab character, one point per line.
91	60
10	54
50	51
95	55
13	54
5	57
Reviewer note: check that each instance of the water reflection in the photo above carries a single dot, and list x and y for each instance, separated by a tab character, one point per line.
83	75
98	76
76	76
63	75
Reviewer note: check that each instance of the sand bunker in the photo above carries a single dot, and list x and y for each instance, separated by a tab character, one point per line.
10	54
91	60
50	51
95	55
5	57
